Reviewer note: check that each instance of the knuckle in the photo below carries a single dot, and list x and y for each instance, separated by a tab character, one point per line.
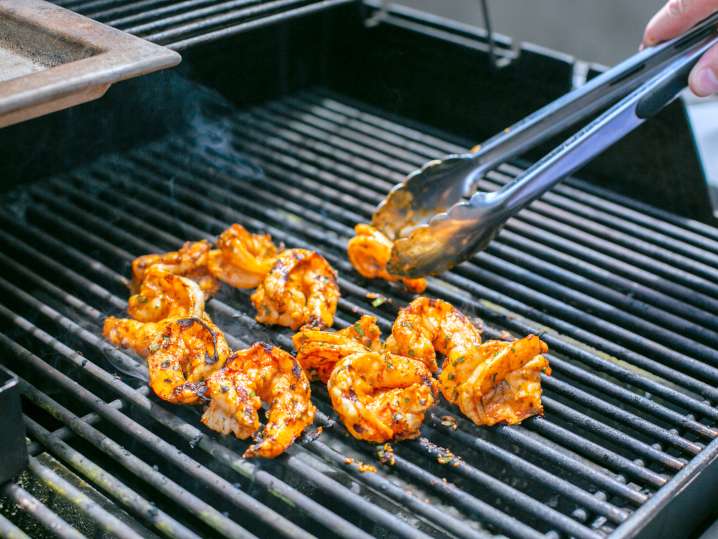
678	8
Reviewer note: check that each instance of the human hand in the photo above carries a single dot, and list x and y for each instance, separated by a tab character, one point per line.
673	19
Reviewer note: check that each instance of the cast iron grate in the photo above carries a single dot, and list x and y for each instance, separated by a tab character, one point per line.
624	294
182	24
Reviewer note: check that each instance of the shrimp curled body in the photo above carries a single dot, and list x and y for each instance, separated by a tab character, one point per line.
369	252
318	351
500	383
185	352
162	296
242	259
261	373
301	288
427	326
381	396
189	261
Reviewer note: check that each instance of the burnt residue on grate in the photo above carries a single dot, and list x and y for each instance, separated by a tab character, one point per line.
624	295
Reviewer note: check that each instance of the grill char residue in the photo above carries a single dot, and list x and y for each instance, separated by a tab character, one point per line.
624	295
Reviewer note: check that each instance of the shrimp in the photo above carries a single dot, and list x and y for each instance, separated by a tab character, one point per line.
427	326
318	351
182	355
301	288
261	373
242	259
500	383
163	294
369	252
381	396
189	261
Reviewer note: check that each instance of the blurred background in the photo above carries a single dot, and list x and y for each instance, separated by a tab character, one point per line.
603	31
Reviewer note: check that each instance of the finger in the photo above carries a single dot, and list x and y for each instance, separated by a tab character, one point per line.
676	17
703	79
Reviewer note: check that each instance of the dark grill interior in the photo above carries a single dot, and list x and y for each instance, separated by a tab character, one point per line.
624	295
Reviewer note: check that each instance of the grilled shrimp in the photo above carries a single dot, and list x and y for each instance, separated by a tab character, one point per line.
183	354
242	259
300	288
427	326
163	294
500	383
318	351
189	261
381	396
369	252
261	373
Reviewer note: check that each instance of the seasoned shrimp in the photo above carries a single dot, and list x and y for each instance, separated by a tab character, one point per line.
138	336
301	288
189	261
183	354
369	252
381	396
427	326
261	373
163	294
318	351
242	259
500	383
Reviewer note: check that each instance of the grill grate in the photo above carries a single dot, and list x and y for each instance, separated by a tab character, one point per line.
179	25
624	295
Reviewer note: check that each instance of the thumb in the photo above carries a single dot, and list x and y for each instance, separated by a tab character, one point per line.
703	79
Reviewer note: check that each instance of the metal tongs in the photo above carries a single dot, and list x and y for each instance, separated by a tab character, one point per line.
432	224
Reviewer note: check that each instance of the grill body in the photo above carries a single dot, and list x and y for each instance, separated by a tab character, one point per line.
299	129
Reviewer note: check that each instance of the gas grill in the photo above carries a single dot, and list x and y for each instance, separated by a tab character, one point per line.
297	122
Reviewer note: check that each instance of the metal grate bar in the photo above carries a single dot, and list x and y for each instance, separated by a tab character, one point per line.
44	515
139	12
179	25
105	520
9	530
223	12
111	486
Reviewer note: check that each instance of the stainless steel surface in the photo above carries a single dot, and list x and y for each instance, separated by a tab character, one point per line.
434	229
52	58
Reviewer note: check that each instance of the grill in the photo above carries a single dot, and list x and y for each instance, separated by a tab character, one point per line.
624	294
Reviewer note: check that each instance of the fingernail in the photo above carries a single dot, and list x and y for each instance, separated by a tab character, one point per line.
704	82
